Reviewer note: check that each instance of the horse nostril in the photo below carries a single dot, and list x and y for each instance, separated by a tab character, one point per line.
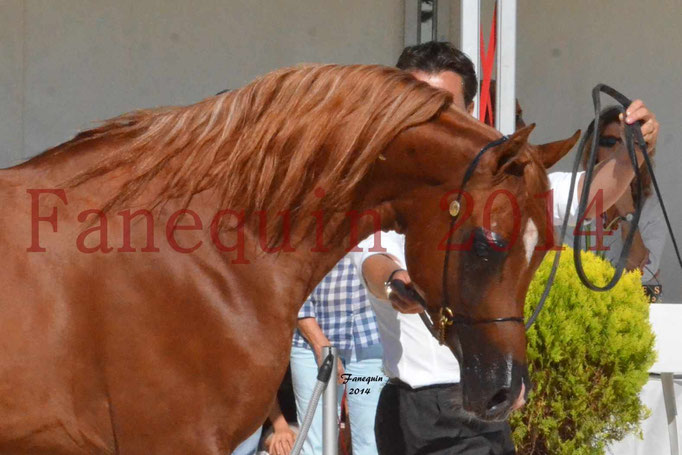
499	398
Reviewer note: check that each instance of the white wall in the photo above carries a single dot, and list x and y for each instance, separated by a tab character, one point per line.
68	63
65	64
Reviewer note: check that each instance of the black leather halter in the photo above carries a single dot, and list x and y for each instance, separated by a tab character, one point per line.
446	316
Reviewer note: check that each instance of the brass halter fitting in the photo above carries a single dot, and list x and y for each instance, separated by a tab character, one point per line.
445	319
454	208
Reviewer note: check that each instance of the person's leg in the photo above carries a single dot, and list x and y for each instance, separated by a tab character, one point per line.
430	421
304	378
387	430
250	445
418	418
470	436
363	396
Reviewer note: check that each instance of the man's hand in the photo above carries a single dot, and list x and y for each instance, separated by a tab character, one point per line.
282	440
644	262
317	339
638	112
520	400
613	176
377	269
403	303
318	355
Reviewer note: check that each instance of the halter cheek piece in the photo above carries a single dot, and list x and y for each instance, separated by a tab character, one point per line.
446	317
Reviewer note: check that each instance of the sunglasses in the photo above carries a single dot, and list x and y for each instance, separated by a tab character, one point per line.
608	141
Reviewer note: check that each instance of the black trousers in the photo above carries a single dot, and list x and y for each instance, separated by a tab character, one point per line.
430	420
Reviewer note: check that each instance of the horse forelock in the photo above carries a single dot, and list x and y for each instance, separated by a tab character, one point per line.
267	146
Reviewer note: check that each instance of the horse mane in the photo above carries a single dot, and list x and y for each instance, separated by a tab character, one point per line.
266	146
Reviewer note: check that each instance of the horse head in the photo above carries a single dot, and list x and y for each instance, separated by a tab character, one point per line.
472	251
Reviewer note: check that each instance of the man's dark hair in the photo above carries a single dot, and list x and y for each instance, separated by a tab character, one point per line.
438	56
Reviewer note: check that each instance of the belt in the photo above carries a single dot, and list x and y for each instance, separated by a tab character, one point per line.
404	385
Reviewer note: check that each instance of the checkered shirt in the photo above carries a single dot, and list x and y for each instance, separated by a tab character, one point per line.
342	309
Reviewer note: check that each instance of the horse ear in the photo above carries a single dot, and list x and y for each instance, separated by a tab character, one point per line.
508	150
552	152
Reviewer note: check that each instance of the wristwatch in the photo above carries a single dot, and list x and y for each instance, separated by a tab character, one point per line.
387	284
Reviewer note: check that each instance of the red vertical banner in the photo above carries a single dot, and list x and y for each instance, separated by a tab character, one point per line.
485	113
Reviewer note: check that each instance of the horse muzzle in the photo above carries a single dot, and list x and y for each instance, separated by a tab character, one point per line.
493	391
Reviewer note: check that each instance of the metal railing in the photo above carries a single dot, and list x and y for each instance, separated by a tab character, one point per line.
330	427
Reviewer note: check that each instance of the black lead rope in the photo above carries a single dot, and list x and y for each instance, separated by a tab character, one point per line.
587	183
630	131
633	134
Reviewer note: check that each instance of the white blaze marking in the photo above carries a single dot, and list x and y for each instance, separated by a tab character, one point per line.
530	239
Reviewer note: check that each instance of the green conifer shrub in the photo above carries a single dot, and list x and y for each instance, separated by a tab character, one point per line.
589	354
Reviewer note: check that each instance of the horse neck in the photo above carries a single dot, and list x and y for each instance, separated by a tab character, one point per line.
316	252
443	150
433	154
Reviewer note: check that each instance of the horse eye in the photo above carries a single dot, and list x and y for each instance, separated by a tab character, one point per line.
486	244
482	249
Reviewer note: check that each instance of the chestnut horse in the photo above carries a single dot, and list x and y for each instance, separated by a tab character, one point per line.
155	265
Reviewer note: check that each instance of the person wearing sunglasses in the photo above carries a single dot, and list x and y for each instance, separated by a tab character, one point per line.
649	239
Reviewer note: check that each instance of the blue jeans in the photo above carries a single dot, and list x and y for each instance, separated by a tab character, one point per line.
362	396
250	446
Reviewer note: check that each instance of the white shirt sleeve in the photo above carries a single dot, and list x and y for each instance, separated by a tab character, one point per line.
392	242
653	230
560	185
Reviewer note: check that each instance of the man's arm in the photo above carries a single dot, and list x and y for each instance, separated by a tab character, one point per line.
309	328
377	267
376	271
312	332
614	175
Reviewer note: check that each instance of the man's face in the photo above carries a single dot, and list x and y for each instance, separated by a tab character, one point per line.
450	81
